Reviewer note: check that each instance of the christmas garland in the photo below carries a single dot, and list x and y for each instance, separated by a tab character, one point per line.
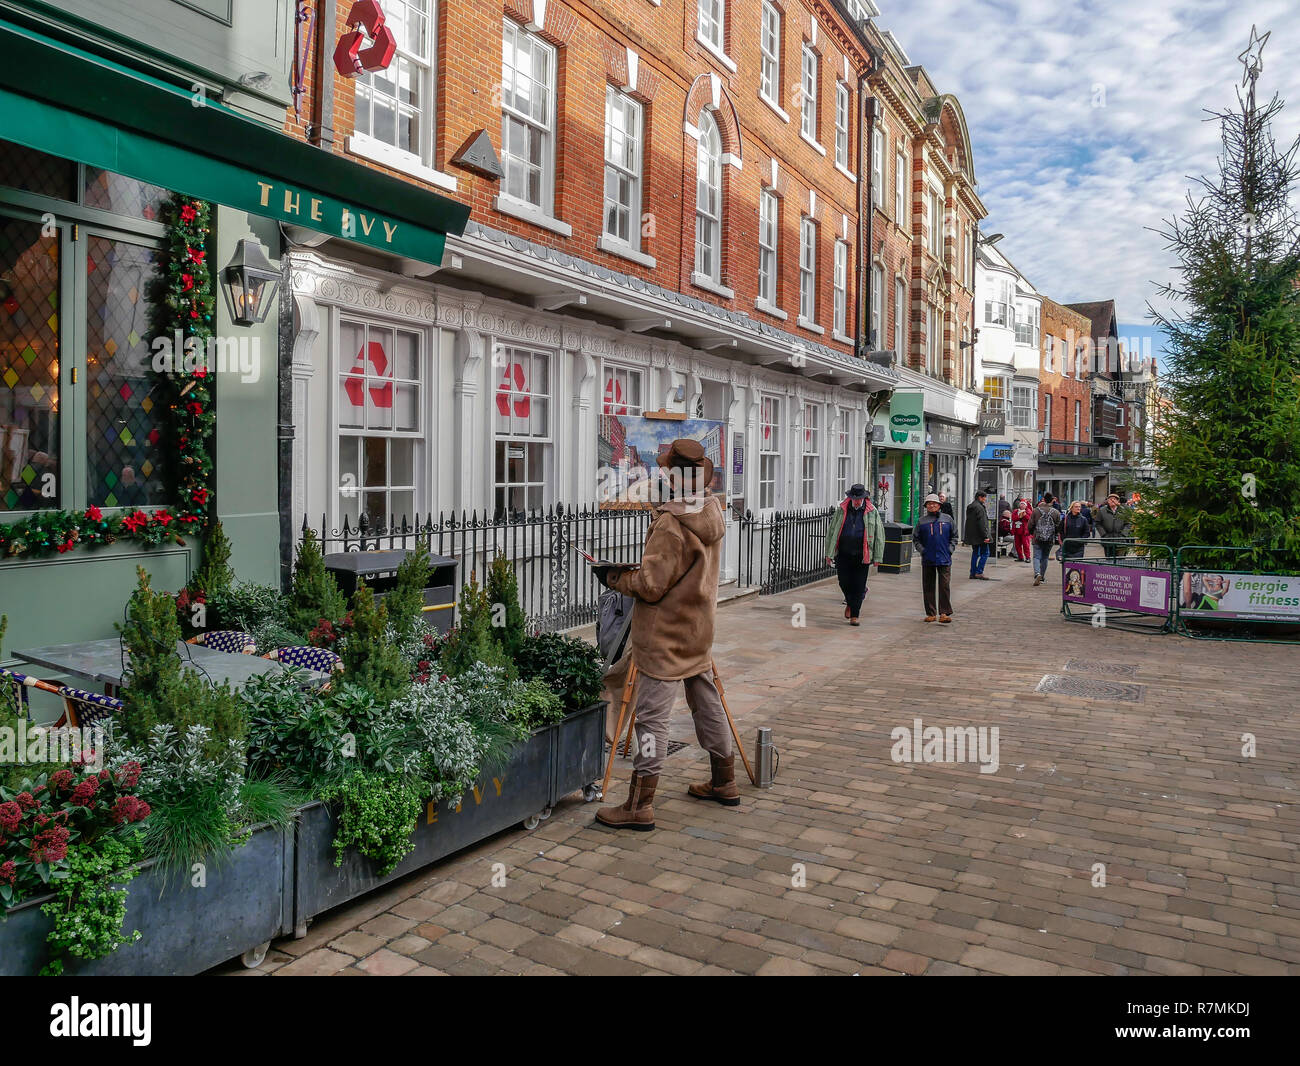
183	306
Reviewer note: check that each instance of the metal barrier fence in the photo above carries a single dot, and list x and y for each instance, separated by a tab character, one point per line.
783	550
1219	604
1129	585
1152	588
556	589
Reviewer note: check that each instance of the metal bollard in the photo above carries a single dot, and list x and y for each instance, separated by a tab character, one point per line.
768	758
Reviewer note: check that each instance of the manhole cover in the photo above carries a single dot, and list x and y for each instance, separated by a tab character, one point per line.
1097	666
1089	689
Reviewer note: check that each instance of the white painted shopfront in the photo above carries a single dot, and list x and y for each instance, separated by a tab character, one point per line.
417	396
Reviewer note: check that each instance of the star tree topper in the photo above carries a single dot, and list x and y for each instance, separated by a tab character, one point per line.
1252	58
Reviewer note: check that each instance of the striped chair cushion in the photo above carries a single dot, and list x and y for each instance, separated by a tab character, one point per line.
308	658
227	640
89	708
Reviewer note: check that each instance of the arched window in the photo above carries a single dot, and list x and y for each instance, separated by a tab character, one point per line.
708	200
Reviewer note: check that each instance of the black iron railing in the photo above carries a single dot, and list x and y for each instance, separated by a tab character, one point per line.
556	588
1081	449
782	550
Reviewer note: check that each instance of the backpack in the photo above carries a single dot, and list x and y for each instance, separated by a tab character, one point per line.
614	619
1045	525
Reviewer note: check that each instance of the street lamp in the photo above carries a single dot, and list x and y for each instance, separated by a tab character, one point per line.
249	282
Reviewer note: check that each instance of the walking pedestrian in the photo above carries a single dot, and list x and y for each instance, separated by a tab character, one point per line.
855	540
935	537
1020	530
978	534
1115	524
676	593
1075	531
945	505
1003	503
1045	527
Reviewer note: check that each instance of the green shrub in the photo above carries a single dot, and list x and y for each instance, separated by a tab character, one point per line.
376	815
293	732
472	640
192	787
370	658
405	601
257	609
214	575
158	690
572	668
507	619
534	704
90	902
315	594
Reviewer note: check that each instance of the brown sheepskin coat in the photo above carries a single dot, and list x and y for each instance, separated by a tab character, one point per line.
676	589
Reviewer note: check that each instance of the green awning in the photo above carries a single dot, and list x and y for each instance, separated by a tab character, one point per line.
71	103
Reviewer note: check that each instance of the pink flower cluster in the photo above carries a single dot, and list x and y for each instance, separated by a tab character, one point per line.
50	845
129	809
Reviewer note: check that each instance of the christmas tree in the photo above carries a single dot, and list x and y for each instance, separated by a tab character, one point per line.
1228	440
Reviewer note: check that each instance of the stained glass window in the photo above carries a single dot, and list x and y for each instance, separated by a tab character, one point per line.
30	269
122	416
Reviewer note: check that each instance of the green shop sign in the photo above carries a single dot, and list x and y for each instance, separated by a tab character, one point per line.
907	420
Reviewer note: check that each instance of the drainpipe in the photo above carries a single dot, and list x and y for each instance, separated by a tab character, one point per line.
867	339
321	132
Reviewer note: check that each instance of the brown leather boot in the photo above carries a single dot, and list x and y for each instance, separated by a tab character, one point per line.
722	786
638	812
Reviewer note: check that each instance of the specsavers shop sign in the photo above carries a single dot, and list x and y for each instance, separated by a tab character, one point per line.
1250	597
907	421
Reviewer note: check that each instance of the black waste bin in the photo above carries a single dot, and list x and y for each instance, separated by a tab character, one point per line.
379	571
898	549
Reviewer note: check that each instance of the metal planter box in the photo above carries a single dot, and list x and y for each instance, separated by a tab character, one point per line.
557	760
184	930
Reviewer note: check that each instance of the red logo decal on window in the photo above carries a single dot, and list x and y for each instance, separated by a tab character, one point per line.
380	395
514	375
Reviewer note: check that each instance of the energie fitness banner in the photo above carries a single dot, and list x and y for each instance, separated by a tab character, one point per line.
1253	597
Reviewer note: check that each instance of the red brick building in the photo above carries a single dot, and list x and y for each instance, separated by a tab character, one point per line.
1068	463
675	227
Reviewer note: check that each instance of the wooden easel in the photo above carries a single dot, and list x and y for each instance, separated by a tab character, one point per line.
629	688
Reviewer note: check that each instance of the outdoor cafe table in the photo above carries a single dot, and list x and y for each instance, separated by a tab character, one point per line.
101	661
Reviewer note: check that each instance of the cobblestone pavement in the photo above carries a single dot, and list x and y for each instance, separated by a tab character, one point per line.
919	868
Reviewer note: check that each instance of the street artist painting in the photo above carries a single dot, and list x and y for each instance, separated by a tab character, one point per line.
676	593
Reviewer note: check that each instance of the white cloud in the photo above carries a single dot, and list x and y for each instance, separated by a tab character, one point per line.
1078	188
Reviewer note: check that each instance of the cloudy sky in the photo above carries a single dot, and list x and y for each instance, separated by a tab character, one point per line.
1086	119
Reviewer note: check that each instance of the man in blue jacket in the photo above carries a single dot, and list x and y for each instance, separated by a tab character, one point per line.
934	537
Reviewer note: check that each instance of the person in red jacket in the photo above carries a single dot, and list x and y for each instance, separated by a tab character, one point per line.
1020	530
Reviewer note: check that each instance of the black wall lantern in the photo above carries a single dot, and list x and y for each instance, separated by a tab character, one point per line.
249	282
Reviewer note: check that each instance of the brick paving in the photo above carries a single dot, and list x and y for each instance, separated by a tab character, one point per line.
908	868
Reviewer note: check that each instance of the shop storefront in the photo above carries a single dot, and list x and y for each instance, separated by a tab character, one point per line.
948	461
1066	482
102	169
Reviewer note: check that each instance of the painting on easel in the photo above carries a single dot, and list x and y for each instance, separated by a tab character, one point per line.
628	449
